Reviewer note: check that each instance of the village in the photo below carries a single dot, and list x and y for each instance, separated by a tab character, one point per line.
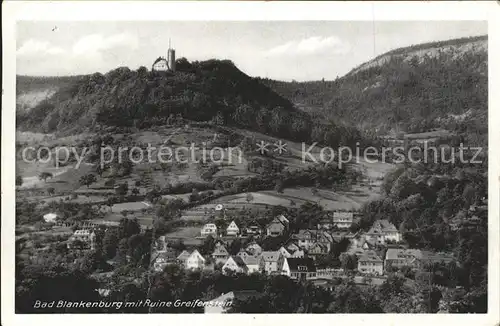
368	258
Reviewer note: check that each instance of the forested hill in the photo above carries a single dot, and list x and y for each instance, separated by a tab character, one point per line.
433	85
212	90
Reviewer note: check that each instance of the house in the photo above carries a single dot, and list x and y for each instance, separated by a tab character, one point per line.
343	220
305	238
325	239
381	232
235	264
317	249
292	247
359	246
283	220
370	263
183	256
254	264
222	304
271	261
284	252
339	235
232	230
195	261
397	258
254	249
82	239
325	223
276	227
50	218
299	268
209	229
253	230
220	254
243	254
163	258
298	254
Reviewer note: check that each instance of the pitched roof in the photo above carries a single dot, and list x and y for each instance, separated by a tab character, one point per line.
270	255
239	262
298	253
184	255
394	253
250	260
283	219
276	223
166	255
220	250
294	264
381	226
318	244
343	214
371	256
292	246
232	225
282	249
196	252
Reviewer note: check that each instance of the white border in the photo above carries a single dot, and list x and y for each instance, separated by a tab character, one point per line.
402	11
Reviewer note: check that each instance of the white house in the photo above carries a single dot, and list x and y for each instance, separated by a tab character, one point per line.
299	268
232	229
235	264
284	252
85	237
343	220
272	260
254	249
298	254
370	263
209	229
195	261
254	264
381	232
50	217
220	254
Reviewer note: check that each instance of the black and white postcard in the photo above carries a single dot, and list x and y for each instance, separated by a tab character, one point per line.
161	160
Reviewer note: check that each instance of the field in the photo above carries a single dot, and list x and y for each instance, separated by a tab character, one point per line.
188	235
66	180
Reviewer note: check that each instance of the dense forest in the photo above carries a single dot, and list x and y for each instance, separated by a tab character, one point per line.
417	91
211	91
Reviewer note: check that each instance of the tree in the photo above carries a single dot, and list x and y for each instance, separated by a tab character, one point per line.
88	179
44	176
469	195
135	192
349	262
128	227
208	245
279	186
110	202
110	243
19	180
249	197
122	189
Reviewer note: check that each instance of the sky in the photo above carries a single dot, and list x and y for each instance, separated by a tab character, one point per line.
283	50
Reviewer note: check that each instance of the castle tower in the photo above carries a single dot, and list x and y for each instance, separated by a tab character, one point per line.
171	57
